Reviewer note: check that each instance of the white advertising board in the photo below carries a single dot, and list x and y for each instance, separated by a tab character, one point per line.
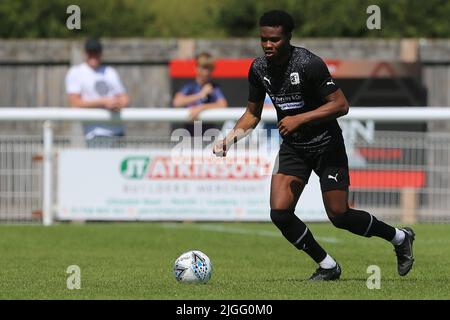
108	184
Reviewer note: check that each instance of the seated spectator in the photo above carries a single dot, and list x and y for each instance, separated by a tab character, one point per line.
201	94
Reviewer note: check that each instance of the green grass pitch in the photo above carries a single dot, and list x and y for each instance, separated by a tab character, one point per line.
250	261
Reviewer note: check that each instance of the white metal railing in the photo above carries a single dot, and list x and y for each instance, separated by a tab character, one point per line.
379	114
48	115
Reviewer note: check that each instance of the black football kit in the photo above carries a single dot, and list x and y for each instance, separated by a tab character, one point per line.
298	86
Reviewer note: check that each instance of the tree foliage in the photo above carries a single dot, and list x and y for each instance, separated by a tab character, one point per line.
221	18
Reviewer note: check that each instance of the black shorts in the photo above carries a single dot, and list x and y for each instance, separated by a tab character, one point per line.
330	163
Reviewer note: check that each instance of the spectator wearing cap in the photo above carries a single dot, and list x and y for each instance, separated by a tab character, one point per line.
201	94
93	85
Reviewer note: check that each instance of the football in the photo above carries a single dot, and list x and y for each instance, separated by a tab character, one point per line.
192	267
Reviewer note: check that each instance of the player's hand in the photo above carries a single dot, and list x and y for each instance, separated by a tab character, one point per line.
220	148
288	125
194	112
206	90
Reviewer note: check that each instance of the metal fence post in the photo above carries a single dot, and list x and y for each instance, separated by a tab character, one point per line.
47	203
409	205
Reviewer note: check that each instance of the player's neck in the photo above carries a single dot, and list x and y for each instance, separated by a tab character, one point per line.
283	59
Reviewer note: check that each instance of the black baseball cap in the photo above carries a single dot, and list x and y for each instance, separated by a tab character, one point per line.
93	45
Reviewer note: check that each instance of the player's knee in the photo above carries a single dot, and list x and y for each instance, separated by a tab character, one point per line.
281	217
354	221
336	209
339	221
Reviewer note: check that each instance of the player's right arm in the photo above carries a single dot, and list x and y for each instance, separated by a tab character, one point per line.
249	119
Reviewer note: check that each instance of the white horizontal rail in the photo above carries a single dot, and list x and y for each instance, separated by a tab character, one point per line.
379	114
49	114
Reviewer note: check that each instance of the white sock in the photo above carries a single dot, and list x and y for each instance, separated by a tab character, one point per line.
398	238
327	263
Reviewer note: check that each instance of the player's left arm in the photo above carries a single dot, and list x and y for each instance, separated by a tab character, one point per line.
335	104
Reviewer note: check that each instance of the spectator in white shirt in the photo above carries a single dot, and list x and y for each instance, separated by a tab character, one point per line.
93	85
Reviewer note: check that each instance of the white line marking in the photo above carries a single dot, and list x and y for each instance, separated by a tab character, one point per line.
235	230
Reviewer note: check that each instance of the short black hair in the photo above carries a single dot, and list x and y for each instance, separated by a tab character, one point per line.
276	18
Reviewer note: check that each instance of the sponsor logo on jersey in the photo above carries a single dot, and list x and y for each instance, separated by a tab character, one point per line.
295	78
291	105
288	101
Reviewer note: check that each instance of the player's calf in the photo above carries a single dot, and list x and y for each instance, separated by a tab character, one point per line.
297	233
363	224
357	222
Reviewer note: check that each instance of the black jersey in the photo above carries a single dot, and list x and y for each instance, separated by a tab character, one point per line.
298	86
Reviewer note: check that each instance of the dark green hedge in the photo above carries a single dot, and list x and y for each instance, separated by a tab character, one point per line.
221	18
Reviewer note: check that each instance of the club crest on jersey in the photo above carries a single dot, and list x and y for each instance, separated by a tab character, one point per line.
295	78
